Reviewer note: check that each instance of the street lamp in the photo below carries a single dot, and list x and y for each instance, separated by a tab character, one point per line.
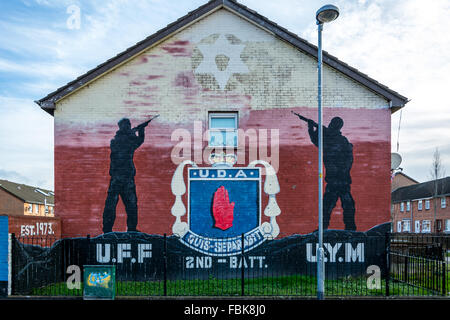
325	14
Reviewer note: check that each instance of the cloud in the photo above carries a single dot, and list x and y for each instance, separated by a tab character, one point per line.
18	178
26	142
51	70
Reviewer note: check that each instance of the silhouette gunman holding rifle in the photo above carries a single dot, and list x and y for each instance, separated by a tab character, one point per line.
338	160
122	172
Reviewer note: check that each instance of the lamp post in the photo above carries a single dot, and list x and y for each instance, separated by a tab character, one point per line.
325	14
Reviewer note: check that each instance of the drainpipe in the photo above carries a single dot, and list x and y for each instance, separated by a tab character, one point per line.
435	199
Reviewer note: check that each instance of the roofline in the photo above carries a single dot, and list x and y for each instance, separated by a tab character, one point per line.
26	201
440	195
407	177
52	203
23	198
14	195
396	101
424	198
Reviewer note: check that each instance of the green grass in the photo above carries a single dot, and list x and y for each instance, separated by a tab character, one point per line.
301	286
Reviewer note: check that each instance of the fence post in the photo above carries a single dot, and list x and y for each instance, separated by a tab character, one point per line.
388	263
444	270
13	264
406	268
89	249
165	264
242	265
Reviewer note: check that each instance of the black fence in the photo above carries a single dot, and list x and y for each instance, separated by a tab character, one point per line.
419	264
357	264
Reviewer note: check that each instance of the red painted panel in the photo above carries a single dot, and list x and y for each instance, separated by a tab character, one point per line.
37	230
82	178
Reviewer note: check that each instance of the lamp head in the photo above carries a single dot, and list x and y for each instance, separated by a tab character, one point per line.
327	13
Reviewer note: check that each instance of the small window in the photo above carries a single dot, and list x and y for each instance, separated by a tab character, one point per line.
439	225
223	129
36	208
406	226
443	202
417	226
426	226
419	205
402	207
399	226
408	206
30	208
427	204
447	225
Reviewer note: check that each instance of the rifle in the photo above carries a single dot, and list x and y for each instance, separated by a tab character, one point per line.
144	124
305	119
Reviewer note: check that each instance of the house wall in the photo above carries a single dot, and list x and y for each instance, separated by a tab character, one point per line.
414	215
10	205
36	209
401	180
35	229
183	79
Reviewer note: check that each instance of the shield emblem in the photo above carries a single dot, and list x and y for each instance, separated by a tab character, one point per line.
224	203
224	208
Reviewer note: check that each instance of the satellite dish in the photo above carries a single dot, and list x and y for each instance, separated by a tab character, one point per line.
396	160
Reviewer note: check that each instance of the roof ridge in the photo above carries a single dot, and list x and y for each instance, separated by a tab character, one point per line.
23	184
421	190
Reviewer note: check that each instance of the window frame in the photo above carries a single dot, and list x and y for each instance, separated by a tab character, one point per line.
223	114
405	223
417	226
447	225
419	205
426	223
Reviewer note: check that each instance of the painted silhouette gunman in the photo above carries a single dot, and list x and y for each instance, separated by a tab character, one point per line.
122	172
338	161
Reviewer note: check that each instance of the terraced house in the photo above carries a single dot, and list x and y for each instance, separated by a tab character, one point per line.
422	207
29	211
18	199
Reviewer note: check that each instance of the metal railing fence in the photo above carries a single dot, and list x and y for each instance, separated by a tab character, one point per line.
379	265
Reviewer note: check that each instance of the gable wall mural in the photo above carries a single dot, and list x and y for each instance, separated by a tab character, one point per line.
117	172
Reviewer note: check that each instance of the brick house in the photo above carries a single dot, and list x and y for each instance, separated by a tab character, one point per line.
221	77
422	207
22	200
29	212
402	180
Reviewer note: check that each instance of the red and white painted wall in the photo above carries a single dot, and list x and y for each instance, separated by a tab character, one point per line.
221	63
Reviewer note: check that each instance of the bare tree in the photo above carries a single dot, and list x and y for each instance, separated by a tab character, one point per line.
437	171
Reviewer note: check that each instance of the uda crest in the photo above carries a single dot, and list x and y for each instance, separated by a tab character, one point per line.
224	203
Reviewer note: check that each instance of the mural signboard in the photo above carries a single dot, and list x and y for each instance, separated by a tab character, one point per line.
224	206
99	282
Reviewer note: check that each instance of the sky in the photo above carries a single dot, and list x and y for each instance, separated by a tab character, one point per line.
403	44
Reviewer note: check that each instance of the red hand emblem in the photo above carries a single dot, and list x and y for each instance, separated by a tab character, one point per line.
222	209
